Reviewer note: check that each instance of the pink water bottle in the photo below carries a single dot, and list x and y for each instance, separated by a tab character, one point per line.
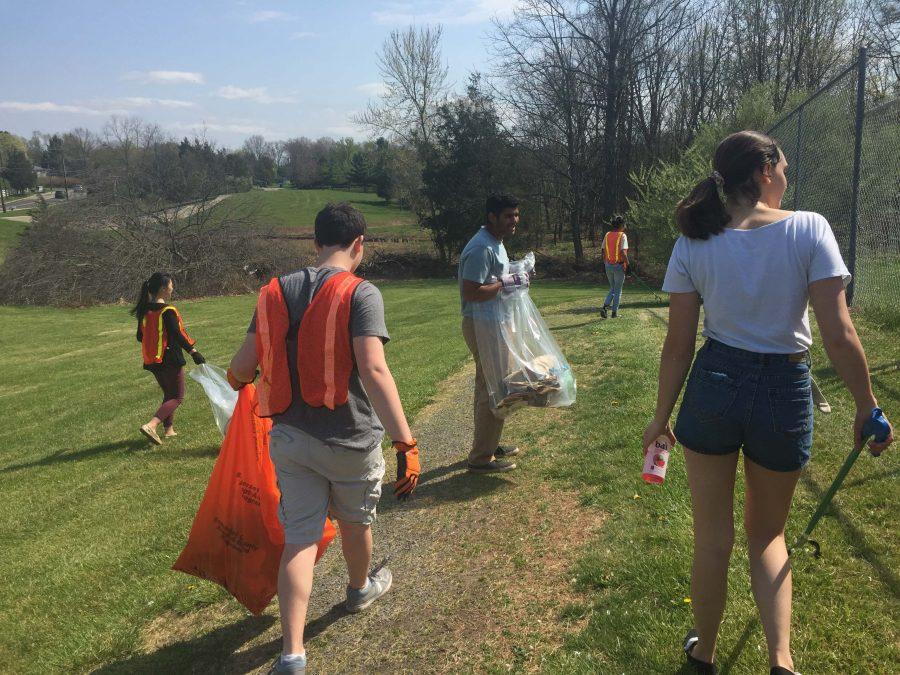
656	459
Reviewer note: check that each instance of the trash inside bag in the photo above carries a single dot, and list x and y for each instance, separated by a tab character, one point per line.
221	396
521	360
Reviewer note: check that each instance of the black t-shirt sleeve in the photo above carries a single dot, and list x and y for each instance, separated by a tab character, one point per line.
174	332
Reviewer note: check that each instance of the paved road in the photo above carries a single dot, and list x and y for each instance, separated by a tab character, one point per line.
34	200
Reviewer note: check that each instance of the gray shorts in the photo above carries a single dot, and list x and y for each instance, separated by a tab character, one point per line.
316	479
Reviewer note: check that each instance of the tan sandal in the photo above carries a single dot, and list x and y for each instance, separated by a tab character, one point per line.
150	433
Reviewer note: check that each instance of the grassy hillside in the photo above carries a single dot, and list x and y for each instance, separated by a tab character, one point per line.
92	516
296	210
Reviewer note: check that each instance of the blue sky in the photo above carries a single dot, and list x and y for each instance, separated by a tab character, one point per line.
229	69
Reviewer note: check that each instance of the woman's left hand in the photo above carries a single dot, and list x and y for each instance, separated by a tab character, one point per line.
654	430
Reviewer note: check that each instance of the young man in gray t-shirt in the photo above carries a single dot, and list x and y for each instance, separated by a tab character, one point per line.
483	275
329	461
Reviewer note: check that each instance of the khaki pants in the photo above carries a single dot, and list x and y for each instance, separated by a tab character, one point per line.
488	428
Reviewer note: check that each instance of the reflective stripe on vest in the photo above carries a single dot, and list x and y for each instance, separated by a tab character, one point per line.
614	255
154	339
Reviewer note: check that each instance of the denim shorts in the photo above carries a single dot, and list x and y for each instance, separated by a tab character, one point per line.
759	402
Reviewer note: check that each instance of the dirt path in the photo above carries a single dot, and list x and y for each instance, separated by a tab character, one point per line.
480	574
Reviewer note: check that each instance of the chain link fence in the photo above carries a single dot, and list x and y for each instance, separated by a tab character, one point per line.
843	156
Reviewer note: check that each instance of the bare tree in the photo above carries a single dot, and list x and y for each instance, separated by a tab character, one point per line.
539	80
415	78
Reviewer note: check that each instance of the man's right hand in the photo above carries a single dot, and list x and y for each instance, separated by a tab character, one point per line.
408	468
512	282
233	382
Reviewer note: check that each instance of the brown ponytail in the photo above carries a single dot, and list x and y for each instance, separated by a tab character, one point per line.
702	213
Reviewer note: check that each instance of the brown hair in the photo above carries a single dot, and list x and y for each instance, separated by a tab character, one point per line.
339	225
702	213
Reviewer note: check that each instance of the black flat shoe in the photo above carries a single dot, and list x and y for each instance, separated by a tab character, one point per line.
780	670
690	641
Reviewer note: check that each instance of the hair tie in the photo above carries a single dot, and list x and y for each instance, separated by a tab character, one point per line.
716	178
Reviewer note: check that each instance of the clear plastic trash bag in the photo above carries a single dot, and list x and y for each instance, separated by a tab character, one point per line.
221	396
521	360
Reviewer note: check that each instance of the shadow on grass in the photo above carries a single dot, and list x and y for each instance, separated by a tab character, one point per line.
373	202
205	654
266	653
67	455
625	306
874	476
828	372
460	487
858	540
728	662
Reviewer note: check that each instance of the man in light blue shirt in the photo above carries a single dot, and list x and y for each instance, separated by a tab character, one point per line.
483	275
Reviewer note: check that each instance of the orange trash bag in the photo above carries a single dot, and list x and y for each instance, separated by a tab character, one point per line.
236	539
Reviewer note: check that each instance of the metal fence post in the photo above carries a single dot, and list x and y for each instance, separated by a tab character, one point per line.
857	156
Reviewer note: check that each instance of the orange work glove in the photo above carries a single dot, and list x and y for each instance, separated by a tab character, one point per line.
408	468
235	383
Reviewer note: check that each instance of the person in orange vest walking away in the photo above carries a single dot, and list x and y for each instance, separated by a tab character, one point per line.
161	333
318	339
615	259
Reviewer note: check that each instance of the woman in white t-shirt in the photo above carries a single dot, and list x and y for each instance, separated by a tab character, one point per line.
756	268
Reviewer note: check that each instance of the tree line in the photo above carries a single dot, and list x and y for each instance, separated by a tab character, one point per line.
585	95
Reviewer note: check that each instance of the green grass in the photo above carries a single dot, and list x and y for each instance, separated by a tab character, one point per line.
296	210
878	286
92	517
635	576
9	234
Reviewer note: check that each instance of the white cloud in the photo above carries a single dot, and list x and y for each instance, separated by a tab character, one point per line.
257	94
143	102
450	12
264	15
164	77
47	106
344	131
303	34
372	88
223	127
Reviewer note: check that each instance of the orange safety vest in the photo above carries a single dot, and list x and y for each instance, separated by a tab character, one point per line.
324	351
154	339
611	247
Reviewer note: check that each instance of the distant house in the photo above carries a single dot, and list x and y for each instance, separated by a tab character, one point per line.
40	171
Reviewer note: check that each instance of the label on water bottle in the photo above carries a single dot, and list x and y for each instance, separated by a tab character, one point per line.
656	460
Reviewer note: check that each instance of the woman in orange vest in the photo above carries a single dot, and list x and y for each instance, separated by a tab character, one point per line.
615	258
161	333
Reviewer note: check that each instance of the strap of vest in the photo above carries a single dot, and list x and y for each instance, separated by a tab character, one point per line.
330	332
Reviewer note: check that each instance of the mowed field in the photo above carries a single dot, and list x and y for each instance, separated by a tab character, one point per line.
10	229
295	210
92	517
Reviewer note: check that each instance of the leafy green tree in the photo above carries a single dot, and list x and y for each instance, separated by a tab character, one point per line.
470	157
10	142
18	171
360	170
